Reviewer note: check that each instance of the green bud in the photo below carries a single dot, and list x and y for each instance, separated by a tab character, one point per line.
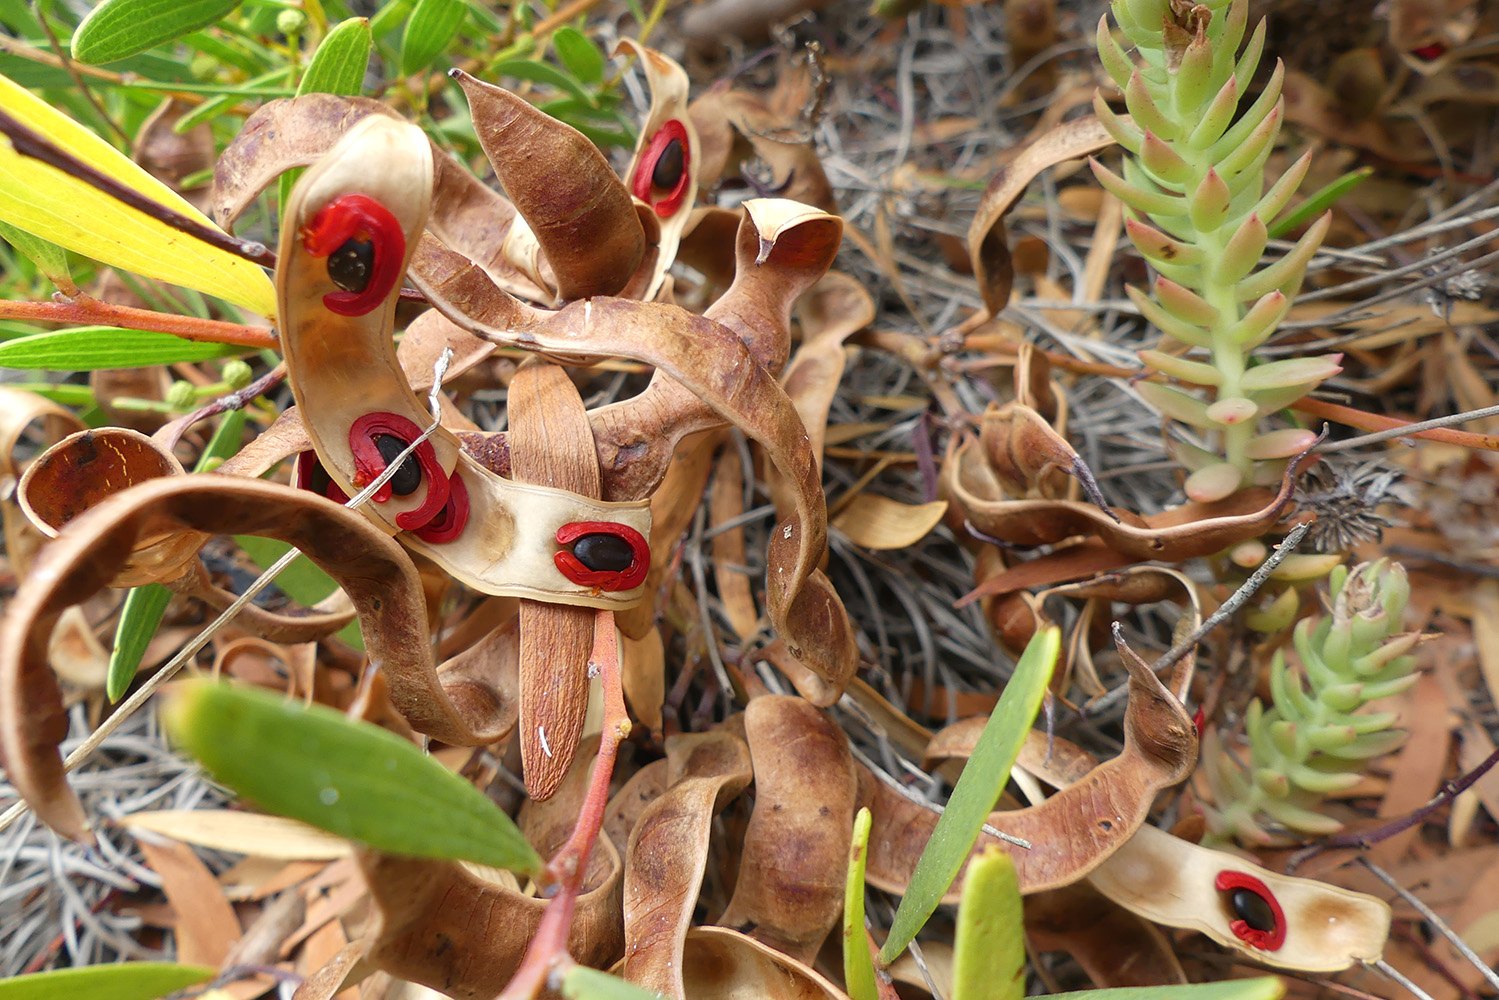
1343	697
1336	647
1277	615
237	374
1208	206
1273	783
1283	735
182	396
291	22
203	66
1242	251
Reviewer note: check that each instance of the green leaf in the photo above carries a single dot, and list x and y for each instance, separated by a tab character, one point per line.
349	778
119	28
1263	988
301	580
339	64
432	26
89	348
581	57
128	981
1319	201
536	71
140	617
49	258
62	209
977	791
989	951
858	966
583	983
141	614
389	17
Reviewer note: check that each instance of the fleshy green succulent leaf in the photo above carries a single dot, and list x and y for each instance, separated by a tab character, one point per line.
1284	443
1208	203
1136	197
1163	161
989	948
1191	334
1213	483
349	778
1264	988
582	983
1239	132
1242	251
1231	411
1195	372
977	791
1259	320
1286	273
1185	304
1275	200
1159	247
1175	404
1292	372
1111	54
1216	119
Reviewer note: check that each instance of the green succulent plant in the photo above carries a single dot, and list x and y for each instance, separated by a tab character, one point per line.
1193	182
1313	741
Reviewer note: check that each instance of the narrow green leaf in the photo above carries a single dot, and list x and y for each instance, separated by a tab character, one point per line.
89	348
349	778
536	71
49	258
1319	201
302	580
389	17
140	617
583	983
339	64
858	966
1263	988
977	791
128	981
141	614
119	28
989	951
582	58
432	26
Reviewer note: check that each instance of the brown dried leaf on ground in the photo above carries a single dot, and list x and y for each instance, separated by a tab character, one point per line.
205	925
22	414
668	853
1073	831
1114	947
726	965
87	555
794	859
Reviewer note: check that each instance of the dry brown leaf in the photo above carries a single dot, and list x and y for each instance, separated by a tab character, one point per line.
22	413
375	573
205	924
1114	947
794	861
725	503
988	242
668	854
880	523
726	965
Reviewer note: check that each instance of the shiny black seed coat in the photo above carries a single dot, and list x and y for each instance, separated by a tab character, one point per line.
669	165
409	476
604	553
350	266
1250	907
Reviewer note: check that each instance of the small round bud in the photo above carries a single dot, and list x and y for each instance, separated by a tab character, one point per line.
203	66
237	374
182	396
290	22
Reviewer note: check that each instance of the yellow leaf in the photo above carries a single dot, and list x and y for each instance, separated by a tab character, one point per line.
67	211
242	833
877	522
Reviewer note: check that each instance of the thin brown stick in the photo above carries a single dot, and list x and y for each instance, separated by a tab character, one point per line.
547	952
89	311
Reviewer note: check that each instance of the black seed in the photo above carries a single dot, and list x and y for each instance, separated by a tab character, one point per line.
668	169
318	479
603	552
1250	907
409	476
351	265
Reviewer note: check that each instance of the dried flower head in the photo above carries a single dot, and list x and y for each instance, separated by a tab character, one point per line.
1347	499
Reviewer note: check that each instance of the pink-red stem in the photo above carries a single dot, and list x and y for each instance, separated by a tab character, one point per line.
93	312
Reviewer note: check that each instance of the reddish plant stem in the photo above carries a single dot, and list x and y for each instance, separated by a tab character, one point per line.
92	312
548	949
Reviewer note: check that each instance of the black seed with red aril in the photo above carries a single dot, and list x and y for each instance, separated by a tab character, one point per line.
352	264
669	165
604	553
1252	908
409	476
